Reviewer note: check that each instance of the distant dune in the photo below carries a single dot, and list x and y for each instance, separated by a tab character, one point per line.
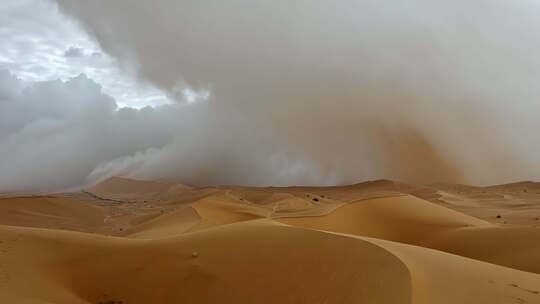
131	241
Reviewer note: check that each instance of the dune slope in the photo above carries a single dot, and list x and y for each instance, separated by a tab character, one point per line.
239	263
414	221
375	242
51	212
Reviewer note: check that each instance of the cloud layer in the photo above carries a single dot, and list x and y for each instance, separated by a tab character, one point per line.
312	92
56	135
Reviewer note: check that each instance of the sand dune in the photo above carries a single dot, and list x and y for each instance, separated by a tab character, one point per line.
516	247
51	212
244	262
170	224
130	190
403	218
439	277
512	204
411	220
378	242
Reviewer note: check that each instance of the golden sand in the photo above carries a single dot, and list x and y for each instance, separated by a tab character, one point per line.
129	241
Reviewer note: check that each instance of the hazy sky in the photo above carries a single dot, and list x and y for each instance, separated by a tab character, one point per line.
268	92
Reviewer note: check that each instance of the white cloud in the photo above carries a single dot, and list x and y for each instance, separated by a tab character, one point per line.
38	43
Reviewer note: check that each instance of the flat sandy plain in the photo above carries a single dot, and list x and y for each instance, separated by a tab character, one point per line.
129	241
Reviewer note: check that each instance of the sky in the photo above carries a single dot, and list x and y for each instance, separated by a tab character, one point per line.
39	43
267	93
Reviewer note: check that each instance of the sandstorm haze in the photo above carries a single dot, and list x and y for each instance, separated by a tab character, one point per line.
267	93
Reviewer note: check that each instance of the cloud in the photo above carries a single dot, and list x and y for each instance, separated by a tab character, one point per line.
311	93
39	43
42	132
420	90
10	86
74	52
60	134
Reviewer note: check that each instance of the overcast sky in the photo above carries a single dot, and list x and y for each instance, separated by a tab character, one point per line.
38	43
311	92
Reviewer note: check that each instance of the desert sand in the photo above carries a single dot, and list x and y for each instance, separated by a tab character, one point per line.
131	241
